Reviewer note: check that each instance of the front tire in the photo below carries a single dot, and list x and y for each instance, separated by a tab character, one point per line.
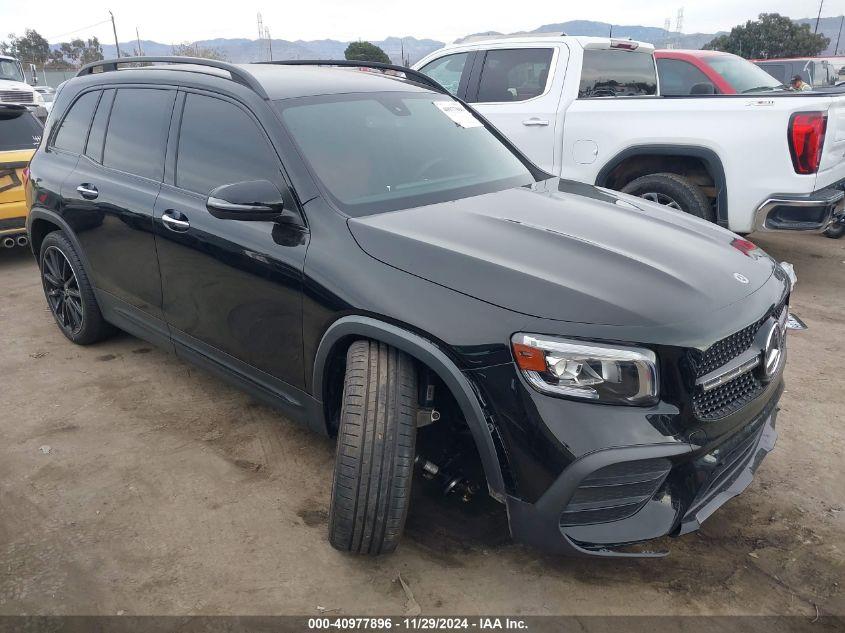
835	231
673	191
68	291
375	450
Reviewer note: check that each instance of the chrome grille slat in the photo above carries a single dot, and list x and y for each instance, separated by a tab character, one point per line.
15	96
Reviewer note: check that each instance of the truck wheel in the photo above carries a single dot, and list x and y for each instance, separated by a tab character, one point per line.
375	450
673	191
835	231
69	293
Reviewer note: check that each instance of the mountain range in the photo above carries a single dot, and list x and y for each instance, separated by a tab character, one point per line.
242	50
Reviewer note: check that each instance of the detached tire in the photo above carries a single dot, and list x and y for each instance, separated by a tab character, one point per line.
374	466
673	191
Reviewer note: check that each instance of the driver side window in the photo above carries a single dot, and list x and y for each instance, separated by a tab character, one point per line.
447	71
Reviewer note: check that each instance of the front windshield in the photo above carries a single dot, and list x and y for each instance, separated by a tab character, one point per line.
377	152
10	70
742	75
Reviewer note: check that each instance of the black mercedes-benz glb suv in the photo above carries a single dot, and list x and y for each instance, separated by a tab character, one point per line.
370	256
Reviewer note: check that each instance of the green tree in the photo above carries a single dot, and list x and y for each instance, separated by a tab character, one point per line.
32	48
92	51
195	50
771	35
365	52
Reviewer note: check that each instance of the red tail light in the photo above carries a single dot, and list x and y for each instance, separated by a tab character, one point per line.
25	175
806	138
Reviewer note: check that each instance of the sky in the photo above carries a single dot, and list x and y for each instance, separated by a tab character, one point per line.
174	21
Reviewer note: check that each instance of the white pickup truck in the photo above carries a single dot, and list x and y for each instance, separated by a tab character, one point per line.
590	109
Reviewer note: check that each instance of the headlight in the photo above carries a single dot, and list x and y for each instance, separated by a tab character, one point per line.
592	371
37	98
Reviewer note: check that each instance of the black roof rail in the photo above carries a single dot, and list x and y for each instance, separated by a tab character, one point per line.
411	74
238	74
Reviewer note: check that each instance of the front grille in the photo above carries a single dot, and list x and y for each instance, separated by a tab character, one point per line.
15	96
615	492
732	396
726	399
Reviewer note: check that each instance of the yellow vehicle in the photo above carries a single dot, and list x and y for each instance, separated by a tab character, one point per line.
20	134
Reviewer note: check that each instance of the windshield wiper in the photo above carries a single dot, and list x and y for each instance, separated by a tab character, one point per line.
765	89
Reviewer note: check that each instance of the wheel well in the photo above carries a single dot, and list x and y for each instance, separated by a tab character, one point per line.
451	428
39	230
333	375
691	167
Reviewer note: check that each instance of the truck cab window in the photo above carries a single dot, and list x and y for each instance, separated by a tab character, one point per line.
617	73
678	78
447	71
516	74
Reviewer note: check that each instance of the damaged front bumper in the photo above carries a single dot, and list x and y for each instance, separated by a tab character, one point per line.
610	499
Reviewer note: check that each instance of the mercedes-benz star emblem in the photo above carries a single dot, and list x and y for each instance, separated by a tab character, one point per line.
741	278
773	351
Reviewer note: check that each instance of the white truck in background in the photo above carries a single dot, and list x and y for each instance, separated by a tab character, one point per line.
15	89
590	110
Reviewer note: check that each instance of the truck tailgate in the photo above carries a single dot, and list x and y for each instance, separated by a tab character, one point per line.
832	166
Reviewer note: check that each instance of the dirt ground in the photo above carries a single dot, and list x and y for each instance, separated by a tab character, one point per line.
131	482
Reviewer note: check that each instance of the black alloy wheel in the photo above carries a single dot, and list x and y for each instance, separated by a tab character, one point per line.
62	290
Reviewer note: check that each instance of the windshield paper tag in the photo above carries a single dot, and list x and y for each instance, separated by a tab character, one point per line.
458	113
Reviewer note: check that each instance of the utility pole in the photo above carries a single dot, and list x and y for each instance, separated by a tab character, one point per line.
269	41
114	30
818	17
611	31
138	39
836	50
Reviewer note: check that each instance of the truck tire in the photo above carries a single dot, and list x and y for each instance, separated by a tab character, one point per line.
374	465
673	191
835	231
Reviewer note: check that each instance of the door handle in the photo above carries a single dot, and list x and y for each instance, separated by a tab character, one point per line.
88	191
535	121
175	223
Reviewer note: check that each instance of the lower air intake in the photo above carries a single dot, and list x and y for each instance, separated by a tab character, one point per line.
615	492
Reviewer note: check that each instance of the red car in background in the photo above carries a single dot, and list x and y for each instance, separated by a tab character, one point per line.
696	72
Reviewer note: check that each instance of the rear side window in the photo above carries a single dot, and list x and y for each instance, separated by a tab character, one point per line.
94	148
617	73
136	136
18	130
514	75
447	71
682	78
778	71
74	128
220	144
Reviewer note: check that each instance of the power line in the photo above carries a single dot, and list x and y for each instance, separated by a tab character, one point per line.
55	37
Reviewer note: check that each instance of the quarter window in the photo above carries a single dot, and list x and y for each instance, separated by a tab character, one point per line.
678	77
447	71
514	75
136	136
220	144
74	128
94	148
617	73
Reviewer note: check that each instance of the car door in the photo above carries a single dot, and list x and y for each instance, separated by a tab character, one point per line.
110	197
518	90
231	288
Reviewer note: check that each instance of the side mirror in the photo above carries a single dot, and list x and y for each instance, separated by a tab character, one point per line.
704	88
252	200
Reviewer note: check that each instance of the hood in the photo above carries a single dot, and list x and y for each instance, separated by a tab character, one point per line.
15	86
572	252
